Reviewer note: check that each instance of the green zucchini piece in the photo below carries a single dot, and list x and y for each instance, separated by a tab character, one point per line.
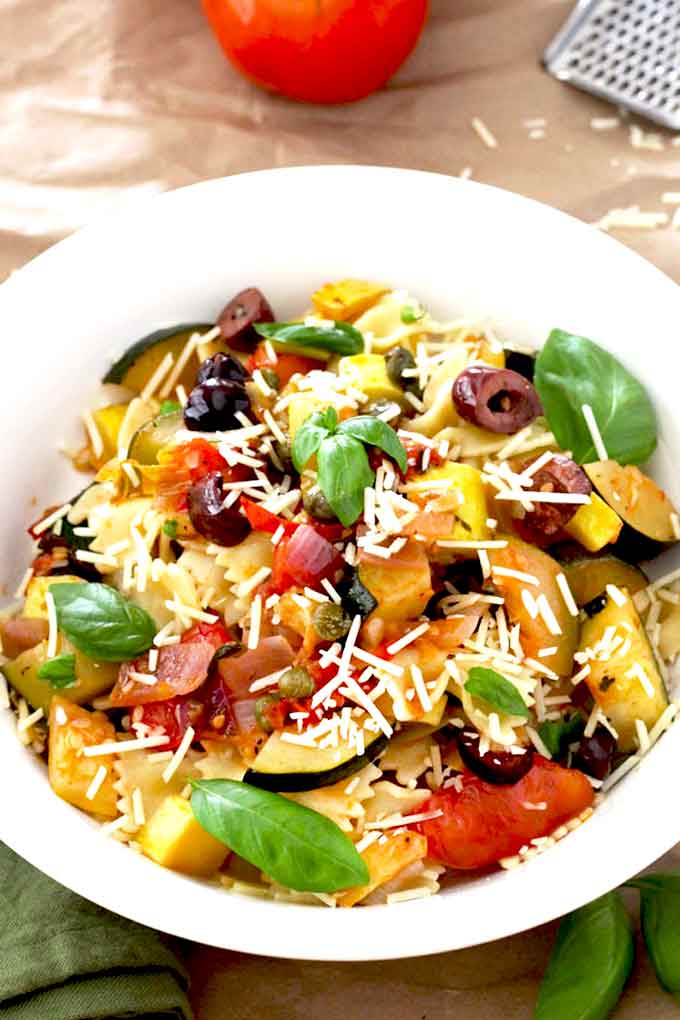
588	576
151	437
290	768
615	679
134	368
644	508
92	678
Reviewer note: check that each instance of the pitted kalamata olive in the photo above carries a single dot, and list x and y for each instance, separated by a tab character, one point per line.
499	767
496	399
212	406
236	320
594	755
221	366
209	516
520	362
561	474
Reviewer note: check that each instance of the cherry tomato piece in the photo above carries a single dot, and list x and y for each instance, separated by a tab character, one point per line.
484	823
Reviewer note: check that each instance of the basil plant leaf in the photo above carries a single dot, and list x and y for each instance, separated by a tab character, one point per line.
336	337
60	672
375	432
294	845
310	435
572	371
498	692
590	963
660	920
557	734
343	474
101	622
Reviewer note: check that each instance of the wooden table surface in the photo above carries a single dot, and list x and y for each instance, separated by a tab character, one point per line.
104	104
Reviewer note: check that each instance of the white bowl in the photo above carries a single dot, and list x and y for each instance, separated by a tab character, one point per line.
460	247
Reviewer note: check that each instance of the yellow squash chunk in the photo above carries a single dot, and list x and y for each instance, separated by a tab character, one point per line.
346	299
71	729
173	838
108	421
368	373
464	496
92	678
626	682
534	633
300	408
35	604
490	354
594	525
402	585
384	862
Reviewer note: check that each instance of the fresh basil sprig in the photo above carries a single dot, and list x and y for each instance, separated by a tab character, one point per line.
590	963
337	337
294	845
498	692
557	734
660	920
343	468
572	371
60	671
101	622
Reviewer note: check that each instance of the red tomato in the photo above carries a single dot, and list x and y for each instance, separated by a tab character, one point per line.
174	716
303	559
184	465
215	634
484	823
331	52
264	520
285	366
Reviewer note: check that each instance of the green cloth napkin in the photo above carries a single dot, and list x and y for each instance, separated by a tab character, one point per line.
62	958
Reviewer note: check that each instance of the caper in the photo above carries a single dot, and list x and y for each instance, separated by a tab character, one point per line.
271	378
382	406
330	621
261	706
282	453
397	362
316	505
296	683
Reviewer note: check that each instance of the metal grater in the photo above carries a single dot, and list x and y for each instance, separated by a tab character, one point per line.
625	51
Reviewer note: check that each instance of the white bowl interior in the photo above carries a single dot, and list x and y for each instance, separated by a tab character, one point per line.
462	248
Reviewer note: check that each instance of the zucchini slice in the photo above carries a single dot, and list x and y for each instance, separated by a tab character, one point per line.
151	437
134	368
642	506
290	768
626	683
588	576
92	678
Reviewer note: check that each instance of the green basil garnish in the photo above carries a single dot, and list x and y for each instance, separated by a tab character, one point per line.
337	337
344	471
60	671
660	919
498	692
101	622
572	371
294	845
170	528
557	734
590	963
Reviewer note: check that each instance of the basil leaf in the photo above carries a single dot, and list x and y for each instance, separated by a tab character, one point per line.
409	314
344	473
169	407
170	528
337	337
498	692
660	919
590	963
292	844
59	671
309	436
375	432
557	734
101	622
572	371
